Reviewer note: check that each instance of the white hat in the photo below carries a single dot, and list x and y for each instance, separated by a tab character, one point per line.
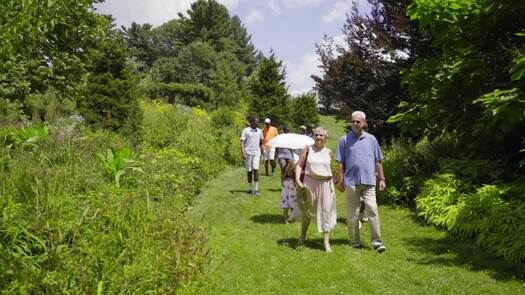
267	120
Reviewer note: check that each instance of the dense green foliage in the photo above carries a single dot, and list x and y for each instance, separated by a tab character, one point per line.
303	110
66	227
45	53
108	100
204	57
270	97
474	84
493	214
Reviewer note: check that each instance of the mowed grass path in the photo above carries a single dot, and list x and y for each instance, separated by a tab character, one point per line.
253	252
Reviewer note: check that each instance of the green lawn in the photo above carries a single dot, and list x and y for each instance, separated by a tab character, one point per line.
253	252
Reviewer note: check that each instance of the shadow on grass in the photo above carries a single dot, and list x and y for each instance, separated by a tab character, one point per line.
456	251
317	244
242	191
274	190
267	218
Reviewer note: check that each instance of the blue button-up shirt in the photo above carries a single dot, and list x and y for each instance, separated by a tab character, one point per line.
359	156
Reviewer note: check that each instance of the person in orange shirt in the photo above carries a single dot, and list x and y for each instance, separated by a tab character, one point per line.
269	132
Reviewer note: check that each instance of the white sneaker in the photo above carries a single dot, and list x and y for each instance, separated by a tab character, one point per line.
379	247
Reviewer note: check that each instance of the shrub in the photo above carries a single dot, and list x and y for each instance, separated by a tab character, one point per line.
64	228
494	215
228	125
407	165
438	201
10	112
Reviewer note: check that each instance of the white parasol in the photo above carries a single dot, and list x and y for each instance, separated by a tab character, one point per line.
291	141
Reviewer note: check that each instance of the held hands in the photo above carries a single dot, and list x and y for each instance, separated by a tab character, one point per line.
299	183
382	184
340	186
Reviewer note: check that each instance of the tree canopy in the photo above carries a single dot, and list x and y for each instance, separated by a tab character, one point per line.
473	84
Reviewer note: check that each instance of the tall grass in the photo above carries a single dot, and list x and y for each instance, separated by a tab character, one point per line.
65	227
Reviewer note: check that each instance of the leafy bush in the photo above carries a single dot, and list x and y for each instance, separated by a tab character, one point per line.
439	197
407	165
24	136
228	127
492	214
116	161
10	112
64	228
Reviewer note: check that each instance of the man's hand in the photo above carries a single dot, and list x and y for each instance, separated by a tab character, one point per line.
382	184
243	155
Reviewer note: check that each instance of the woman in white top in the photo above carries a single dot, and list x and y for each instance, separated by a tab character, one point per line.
318	180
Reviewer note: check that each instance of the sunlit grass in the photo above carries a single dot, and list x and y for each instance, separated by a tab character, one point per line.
253	252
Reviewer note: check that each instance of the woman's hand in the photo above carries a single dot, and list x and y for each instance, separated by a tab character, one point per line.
299	183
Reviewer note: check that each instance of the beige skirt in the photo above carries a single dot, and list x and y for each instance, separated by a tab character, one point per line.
323	199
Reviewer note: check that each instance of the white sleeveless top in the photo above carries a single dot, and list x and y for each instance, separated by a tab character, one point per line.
318	162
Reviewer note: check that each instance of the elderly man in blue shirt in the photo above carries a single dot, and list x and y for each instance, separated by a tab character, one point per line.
359	158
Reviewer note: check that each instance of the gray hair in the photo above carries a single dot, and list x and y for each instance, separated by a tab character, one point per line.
321	130
359	114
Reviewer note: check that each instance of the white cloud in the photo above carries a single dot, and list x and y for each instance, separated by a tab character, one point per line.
253	16
155	12
273	5
298	74
296	3
338	11
342	7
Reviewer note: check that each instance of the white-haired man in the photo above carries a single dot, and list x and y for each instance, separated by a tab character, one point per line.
359	157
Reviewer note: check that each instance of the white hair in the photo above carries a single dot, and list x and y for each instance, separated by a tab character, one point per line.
321	130
359	114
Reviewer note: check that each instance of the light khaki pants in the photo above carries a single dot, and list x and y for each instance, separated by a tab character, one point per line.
354	195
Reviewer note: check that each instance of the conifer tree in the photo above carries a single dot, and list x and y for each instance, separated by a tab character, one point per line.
303	110
270	96
225	86
243	49
108	101
207	21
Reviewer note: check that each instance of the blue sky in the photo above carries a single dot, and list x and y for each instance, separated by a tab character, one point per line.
289	27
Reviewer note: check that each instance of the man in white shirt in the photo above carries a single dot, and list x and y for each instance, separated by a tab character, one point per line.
251	148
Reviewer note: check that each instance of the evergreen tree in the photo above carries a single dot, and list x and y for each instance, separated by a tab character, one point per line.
140	41
270	96
243	49
303	110
108	101
207	21
193	64
225	86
